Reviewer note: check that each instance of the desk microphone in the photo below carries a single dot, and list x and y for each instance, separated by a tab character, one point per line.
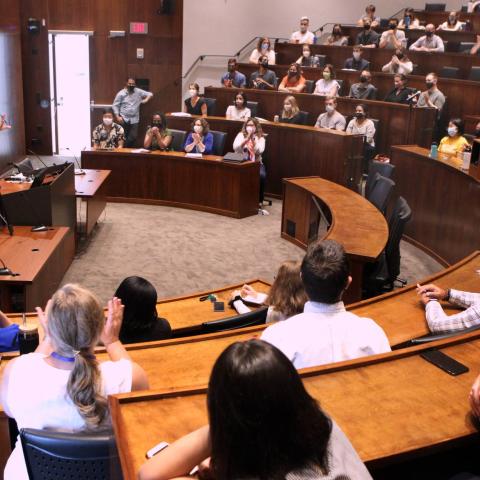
39	227
80	170
5	270
413	95
38	156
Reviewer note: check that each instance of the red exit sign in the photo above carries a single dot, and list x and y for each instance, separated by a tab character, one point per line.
139	27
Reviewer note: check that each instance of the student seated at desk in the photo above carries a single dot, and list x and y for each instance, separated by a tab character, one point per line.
303	35
399	93
393	37
356	62
263	424
140	318
291	112
108	134
61	386
327	86
410	21
331	118
8	334
360	124
454	143
195	105
286	297
364	89
429	42
369	17
432	97
307	59
325	332
294	81
199	140
400	63
263	49
158	136
452	24
438	321
239	110
233	78
263	78
368	38
337	38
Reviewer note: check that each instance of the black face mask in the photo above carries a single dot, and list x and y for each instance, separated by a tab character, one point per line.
392	26
359	115
131	88
292	73
400	56
429	85
231	68
366	26
477	133
337	32
429	34
264	63
363	79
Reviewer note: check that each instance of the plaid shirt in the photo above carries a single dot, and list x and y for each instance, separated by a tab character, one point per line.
439	321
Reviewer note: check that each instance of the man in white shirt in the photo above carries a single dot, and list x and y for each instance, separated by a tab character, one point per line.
325	332
393	37
429	42
303	35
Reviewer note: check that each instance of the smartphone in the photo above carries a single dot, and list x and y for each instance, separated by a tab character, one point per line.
218	306
156	449
443	361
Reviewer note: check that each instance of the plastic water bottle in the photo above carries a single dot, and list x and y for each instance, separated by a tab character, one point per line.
434	150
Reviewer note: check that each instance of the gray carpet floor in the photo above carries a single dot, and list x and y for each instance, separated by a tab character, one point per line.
183	251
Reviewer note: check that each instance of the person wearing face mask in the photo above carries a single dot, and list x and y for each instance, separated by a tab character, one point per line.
239	110
263	78
454	142
393	37
294	81
291	112
126	108
303	35
477	131
331	118
199	140
369	17
400	63
360	124
368	38
108	134
233	78
453	24
364	89
158	137
429	42
432	97
264	47
356	62
336	38
251	142
195	105
327	86
399	92
409	21
307	59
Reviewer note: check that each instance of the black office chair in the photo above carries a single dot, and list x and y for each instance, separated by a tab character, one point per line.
309	86
211	105
303	118
384	22
465	47
219	139
253	106
321	60
381	192
249	319
376	169
435	7
474	74
63	456
380	276
178	140
449	72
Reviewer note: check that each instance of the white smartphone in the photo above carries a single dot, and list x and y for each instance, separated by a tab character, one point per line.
157	448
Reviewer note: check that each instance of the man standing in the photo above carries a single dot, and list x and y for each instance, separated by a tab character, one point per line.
126	108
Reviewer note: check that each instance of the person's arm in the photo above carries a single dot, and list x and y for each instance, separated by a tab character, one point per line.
204	109
121	137
282	87
165	141
439	321
95	138
370	132
259	145
417	44
253	56
207	144
396	42
476	47
117	102
300	87
463	299
386	67
350	127
341	124
147	142
407	68
440	46
189	143
178	459
243	81
147	96
334	89
272	60
318	122
45	346
384	39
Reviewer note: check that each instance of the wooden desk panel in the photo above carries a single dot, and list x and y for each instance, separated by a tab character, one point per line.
444	201
438	18
173	179
372	401
396	121
296	150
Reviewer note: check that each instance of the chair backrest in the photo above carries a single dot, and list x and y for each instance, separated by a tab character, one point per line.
304	117
56	455
384	23
253	106
449	72
178	139
465	47
340	82
474	74
211	105
321	60
376	124
376	169
255	317
309	86
218	142
435	7
381	192
401	214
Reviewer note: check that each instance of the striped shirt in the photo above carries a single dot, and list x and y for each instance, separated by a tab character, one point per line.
439	321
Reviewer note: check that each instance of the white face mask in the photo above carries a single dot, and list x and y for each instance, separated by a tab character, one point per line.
250	129
329	108
287	107
356	56
192	92
306	53
107	121
198	129
452	131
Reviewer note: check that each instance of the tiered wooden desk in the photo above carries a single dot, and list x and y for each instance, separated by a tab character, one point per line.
438	18
173	179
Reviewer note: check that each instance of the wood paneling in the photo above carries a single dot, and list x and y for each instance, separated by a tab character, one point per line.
111	59
439	17
12	141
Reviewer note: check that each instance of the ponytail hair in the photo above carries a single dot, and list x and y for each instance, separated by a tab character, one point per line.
75	322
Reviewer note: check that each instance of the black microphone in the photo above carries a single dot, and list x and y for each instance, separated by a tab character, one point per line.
38	156
5	270
413	95
80	170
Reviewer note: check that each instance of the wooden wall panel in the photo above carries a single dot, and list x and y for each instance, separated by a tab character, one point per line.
12	141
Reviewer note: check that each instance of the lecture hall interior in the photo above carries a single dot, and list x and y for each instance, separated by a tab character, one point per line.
256	216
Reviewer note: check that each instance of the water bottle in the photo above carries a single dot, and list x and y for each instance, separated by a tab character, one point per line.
434	150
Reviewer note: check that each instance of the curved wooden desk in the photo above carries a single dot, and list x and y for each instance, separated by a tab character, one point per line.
172	178
444	201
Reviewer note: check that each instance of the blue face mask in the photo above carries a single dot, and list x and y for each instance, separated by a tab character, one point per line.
264	46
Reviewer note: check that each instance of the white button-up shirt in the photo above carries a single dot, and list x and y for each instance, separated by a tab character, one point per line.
326	333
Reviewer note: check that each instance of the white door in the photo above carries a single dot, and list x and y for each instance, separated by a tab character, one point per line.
70	92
